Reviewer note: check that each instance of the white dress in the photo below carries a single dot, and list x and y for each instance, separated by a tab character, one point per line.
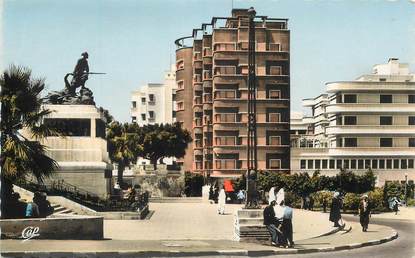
221	202
271	195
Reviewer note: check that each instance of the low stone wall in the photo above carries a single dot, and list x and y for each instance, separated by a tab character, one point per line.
76	227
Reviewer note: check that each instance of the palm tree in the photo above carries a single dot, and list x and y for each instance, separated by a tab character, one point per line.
21	110
123	146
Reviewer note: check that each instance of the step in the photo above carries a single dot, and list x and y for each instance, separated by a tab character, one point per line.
247	213
59	208
251	221
64	211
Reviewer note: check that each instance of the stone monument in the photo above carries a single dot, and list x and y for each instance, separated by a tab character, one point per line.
82	153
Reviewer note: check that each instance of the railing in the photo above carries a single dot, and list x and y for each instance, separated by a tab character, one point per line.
228	164
207	74
228	118
197	78
197	100
226	94
86	198
227	140
225	70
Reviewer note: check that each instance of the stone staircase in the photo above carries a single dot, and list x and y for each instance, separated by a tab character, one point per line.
61	211
249	226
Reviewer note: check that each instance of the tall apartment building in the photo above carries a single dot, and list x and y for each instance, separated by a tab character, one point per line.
154	103
212	94
366	123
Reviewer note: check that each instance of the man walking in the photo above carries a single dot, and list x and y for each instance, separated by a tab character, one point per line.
364	212
287	225
272	223
335	214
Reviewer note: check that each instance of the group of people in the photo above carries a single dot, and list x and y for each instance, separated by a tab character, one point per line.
278	219
39	207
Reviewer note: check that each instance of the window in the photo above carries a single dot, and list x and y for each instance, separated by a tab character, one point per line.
143	100
385	98
385	120
411	99
404	164
367	163
180	85
180	106
388	163
350	98
302	164
324	164
150	115
396	163
173	97
350	120
274	94
382	164
134	103
339	164
410	163
143	117
274	117
385	142
338	120
133	119
350	142
174	114
317	164
332	163
411	142
382	79
274	163
179	65
411	120
310	164
151	98
346	163
374	163
275	140
275	70
353	164
360	164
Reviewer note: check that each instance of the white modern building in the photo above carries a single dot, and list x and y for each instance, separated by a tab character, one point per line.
361	124
154	103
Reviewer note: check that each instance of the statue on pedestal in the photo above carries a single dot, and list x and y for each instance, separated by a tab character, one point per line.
68	95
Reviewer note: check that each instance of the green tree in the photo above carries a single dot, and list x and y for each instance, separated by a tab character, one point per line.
21	121
160	141
123	146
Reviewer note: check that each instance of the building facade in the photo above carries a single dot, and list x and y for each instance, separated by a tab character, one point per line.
212	94
361	124
154	103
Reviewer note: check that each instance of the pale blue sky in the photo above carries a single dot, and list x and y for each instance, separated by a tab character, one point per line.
133	41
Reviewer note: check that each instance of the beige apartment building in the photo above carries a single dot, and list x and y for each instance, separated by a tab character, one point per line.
361	124
212	94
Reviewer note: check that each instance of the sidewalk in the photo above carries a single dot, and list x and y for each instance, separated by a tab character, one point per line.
195	229
404	213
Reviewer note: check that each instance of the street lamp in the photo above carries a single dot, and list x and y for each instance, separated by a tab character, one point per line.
406	185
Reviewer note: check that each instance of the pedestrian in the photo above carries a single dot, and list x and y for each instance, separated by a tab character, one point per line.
32	210
310	203
324	205
44	206
396	205
287	225
271	223
335	214
240	196
271	195
221	201
364	212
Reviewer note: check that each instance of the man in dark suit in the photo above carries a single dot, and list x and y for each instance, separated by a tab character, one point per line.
272	223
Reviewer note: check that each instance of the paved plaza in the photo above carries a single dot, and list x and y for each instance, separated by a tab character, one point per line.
201	221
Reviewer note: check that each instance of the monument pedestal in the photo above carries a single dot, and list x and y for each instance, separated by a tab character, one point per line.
82	153
249	226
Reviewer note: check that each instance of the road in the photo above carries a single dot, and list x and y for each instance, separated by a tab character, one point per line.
402	247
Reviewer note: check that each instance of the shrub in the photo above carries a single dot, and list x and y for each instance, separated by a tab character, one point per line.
320	196
193	184
351	201
376	199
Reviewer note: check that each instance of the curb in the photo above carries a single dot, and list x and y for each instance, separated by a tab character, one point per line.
177	253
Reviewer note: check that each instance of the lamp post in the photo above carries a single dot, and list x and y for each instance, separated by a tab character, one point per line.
406	188
252	198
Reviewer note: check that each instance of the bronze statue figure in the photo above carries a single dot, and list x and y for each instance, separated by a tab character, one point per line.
79	77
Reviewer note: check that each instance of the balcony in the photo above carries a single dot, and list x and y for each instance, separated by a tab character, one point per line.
207	98
228	118
372	129
227	141
198	143
197	122
225	70
197	56
207	75
228	164
370	108
207	120
197	100
224	46
207	51
226	94
197	78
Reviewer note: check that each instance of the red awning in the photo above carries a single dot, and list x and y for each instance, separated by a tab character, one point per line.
228	186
